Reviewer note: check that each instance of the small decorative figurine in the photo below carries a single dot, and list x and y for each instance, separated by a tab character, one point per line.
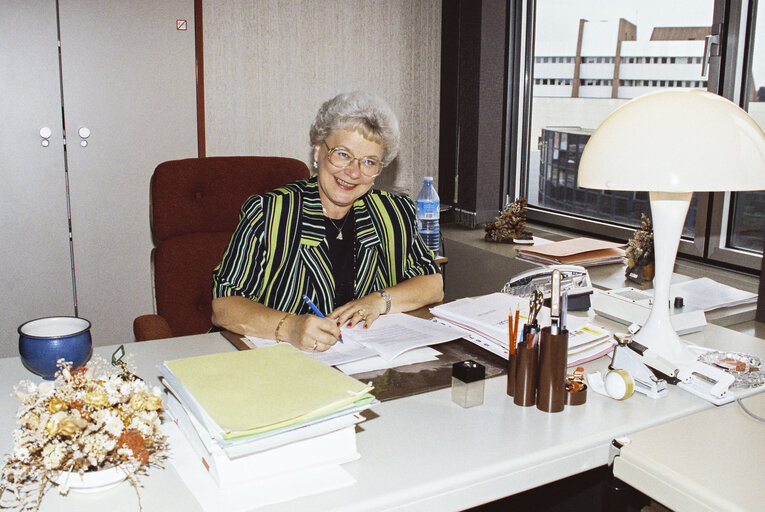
510	226
639	252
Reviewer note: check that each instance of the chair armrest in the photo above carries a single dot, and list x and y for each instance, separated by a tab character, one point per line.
151	327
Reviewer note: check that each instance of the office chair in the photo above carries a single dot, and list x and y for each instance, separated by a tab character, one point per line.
194	210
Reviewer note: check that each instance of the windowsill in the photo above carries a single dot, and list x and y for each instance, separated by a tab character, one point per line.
612	276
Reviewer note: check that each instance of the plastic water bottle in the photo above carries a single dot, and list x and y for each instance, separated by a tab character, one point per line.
428	214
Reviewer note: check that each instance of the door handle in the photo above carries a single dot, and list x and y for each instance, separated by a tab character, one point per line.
84	133
45	134
709	52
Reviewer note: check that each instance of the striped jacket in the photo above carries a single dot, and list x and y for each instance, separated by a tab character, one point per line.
279	251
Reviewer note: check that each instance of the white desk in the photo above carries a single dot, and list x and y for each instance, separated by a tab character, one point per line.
422	452
709	461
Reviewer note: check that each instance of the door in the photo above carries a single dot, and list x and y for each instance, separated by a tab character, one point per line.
129	78
127	75
36	278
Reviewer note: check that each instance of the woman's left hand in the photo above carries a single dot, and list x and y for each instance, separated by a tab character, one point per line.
366	309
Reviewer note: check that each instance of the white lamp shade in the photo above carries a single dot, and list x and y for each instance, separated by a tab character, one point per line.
680	140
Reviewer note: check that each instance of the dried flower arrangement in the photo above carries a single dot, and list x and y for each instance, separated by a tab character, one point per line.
510	226
639	250
88	419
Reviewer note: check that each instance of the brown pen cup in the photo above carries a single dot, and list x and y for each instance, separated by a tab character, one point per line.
551	390
511	367
526	364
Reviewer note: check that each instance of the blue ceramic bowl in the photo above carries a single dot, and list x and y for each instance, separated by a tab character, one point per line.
44	341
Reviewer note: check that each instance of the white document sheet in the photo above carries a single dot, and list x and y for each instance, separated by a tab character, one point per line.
392	335
389	337
254	493
416	355
488	315
340	353
707	294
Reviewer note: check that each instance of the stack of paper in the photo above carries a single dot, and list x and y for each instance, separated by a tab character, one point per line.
264	413
485	322
582	251
392	340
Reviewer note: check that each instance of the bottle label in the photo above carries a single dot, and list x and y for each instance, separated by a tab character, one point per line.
427	210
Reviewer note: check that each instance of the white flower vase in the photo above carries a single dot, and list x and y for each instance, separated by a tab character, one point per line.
90	481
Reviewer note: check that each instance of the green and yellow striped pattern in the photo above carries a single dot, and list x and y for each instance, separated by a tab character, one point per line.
279	251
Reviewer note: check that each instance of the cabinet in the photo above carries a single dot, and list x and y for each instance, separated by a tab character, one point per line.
75	219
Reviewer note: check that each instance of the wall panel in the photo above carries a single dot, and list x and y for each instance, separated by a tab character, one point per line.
269	64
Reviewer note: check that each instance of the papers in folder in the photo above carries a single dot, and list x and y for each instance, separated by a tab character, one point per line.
582	251
485	321
273	415
237	394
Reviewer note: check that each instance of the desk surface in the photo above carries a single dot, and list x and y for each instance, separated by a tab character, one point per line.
709	461
421	452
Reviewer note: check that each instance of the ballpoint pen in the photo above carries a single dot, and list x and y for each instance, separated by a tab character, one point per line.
316	310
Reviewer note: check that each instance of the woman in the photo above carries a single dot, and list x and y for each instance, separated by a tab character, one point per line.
353	251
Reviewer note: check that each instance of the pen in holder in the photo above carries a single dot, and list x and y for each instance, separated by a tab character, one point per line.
551	392
526	361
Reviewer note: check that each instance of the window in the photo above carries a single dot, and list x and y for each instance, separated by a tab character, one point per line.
546	172
739	223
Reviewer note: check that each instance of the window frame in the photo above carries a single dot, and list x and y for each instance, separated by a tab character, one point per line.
735	25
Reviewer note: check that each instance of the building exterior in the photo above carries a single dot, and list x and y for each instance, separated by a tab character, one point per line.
608	62
607	67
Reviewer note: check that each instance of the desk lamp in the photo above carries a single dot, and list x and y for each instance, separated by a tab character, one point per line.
672	143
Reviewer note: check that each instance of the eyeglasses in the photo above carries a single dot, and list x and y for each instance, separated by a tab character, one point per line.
342	158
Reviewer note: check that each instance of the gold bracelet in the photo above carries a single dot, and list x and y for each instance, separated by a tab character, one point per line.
278	326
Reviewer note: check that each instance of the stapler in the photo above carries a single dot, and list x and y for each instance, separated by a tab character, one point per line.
626	357
701	379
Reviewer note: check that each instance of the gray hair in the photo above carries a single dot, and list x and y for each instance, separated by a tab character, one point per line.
359	111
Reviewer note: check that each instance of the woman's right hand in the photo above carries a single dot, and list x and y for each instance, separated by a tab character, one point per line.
310	333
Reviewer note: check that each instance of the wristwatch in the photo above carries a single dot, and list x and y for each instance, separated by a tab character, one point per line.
386	297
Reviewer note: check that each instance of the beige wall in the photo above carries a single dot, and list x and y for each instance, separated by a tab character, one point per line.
269	64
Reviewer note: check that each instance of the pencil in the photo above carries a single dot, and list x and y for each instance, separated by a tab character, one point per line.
511	330
515	326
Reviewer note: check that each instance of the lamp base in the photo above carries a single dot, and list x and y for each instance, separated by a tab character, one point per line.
667	352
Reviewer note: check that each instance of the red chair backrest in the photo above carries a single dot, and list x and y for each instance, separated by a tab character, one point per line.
195	207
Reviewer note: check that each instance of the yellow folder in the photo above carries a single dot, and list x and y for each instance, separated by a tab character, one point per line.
254	391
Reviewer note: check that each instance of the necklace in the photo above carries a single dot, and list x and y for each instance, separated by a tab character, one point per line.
339	229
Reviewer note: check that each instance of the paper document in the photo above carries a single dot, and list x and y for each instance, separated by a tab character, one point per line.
708	295
487	316
485	323
254	493
576	251
254	391
413	356
392	335
388	338
340	353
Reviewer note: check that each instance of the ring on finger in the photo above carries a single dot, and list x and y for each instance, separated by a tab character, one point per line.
315	345
362	313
